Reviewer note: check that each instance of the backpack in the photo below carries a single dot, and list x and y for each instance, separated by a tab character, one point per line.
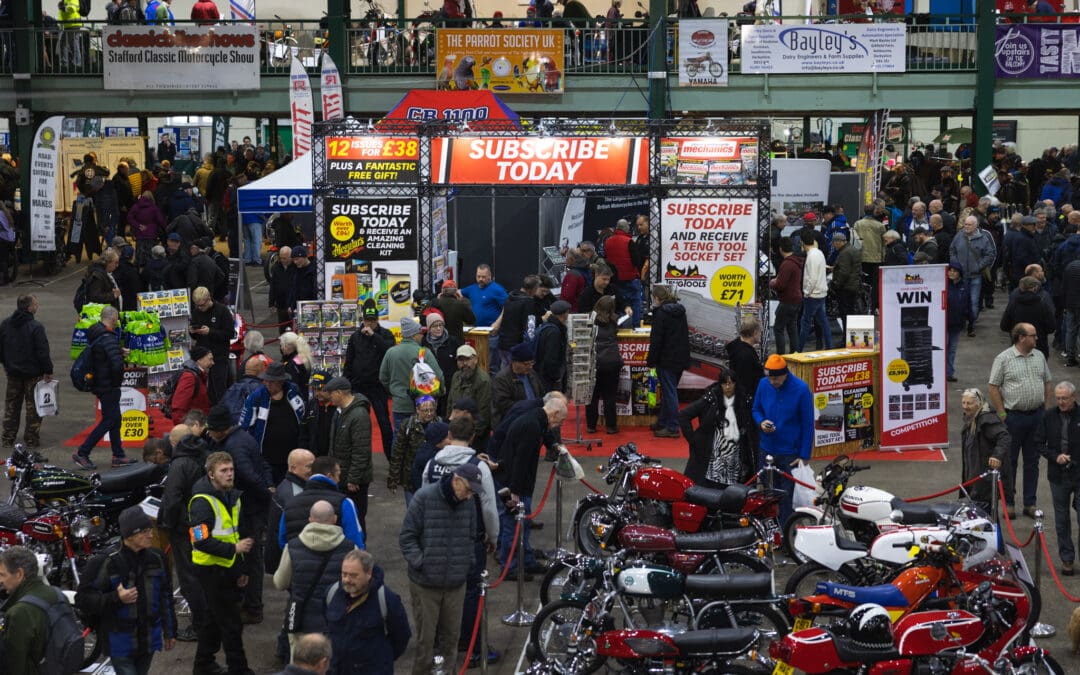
82	371
854	239
80	296
235	396
84	8
64	646
423	381
535	342
170	389
380	594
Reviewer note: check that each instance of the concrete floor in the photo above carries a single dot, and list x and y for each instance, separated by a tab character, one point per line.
386	511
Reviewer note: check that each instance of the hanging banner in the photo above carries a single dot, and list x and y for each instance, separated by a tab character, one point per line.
220	131
703	52
720	160
843	402
333	103
710	246
421	105
540	161
364	160
242	10
1045	51
508	60
823	48
913	306
43	169
302	109
189	57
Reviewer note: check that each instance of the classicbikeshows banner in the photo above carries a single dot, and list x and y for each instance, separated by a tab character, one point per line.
43	168
188	57
1043	51
710	246
913	306
540	161
823	48
508	60
703	52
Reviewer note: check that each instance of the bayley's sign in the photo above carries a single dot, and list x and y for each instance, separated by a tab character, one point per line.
540	161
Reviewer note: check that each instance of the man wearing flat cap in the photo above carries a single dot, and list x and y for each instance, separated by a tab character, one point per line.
274	414
784	411
517	381
551	348
474	383
350	443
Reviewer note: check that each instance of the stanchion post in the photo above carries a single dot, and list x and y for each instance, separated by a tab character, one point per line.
770	469
1040	630
520	617
558	552
995	500
482	647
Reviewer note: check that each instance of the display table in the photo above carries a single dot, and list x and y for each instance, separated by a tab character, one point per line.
843	383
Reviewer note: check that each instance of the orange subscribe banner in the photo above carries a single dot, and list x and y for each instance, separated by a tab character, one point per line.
597	160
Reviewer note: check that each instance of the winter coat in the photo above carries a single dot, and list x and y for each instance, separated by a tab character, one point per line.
1028	307
303	284
203	271
745	364
220	322
146	220
237	393
281	283
407	440
130	285
364	355
100	285
606	345
1068	251
26	627
186	468
319	488
507	389
438	536
847	270
870	230
896	254
298	572
619	254
24	347
155	275
944	240
959	309
975	253
445	354
190	226
669	339
298	372
709	410
191	392
396	371
205	13
590	296
574	282
791	409
107	361
551	354
476	386
450	458
788	281
515	319
181	201
1058	189
928	248
136	629
364	642
457	314
350	442
253	476
1020	250
1071	286
991	440
1048	443
520	452
291	486
257	410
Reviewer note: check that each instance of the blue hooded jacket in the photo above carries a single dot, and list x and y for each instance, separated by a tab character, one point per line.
791	409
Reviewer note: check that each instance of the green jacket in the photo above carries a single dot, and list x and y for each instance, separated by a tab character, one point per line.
25	628
350	442
396	371
68	16
847	270
478	388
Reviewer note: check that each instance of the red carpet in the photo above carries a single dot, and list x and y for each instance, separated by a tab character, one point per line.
159	427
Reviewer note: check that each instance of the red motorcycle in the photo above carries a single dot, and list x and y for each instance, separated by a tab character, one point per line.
981	635
63	538
645	492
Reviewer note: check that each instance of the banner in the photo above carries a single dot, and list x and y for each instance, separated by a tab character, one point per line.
1043	51
242	10
220	131
843	402
189	57
457	106
364	160
540	161
703	52
799	185
710	246
333	103
372	250
721	160
44	167
508	60
302	109
823	48
913	306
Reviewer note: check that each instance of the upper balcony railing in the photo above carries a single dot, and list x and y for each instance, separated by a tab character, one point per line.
407	47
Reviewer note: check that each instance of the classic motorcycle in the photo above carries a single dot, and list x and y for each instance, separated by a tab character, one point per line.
645	492
64	538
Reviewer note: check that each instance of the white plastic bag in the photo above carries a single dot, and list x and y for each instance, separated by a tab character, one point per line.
568	468
803	496
45	398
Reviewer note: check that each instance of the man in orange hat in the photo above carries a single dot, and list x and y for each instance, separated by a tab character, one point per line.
784	411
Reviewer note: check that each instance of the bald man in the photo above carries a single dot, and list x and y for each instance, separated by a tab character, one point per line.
299	462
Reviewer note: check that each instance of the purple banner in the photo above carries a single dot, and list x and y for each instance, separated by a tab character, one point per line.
1041	51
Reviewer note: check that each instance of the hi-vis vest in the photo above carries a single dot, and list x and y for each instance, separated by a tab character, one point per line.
225	529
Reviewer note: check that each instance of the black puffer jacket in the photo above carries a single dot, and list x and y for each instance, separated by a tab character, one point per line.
107	359
99	285
516	312
437	536
253	476
24	347
669	339
364	355
1029	307
745	364
187	467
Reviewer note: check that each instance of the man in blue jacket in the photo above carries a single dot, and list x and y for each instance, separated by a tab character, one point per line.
784	411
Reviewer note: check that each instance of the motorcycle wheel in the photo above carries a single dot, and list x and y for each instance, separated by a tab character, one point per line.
1039	664
733	563
549	636
1034	612
794	522
770	622
806	576
584	536
561	579
269	261
91	645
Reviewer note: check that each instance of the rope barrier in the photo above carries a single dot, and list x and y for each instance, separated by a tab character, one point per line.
1008	521
586	484
795	480
945	492
1053	570
472	640
269	325
543	500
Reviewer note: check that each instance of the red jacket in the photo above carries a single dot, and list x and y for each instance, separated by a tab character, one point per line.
190	394
788	281
205	12
573	284
617	252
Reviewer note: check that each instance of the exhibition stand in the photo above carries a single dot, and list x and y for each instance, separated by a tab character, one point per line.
843	384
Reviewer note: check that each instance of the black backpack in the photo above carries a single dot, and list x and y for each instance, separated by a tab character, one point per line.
84	8
80	296
64	645
82	370
170	389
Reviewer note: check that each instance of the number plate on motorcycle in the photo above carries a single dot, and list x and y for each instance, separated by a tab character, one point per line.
783	669
803	623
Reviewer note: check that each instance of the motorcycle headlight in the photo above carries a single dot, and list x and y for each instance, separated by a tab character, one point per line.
84	526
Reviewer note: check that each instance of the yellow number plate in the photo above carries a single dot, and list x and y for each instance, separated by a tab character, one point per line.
803	623
783	669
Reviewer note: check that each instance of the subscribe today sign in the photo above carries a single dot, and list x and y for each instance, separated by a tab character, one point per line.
710	246
188	57
364	160
823	48
540	161
371	228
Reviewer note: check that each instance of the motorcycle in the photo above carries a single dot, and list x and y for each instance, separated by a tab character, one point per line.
981	635
645	492
63	537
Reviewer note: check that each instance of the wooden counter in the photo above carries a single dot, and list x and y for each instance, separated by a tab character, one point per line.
843	383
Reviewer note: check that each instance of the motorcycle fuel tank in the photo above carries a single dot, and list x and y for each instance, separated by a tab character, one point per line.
663	484
925	633
52	482
687	517
867	503
646	538
656	581
896	546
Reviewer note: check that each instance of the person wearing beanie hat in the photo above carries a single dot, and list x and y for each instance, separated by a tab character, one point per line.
192	386
515	382
136	616
957	315
456	310
784	412
395	372
363	356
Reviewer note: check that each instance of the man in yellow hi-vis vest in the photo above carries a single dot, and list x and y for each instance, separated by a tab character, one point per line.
218	556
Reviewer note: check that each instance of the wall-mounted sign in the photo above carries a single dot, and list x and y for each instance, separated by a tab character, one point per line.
703	52
505	61
1044	51
540	161
823	48
720	160
364	160
188	57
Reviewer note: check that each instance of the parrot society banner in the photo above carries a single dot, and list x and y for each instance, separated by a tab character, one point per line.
507	60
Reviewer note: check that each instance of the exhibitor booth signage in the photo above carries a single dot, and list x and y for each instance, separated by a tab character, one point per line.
710	246
364	160
370	249
703	52
540	160
913	306
191	57
843	401
421	105
1042	51
507	60
721	160
823	48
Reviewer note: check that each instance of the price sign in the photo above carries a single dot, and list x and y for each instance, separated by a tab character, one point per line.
134	426
372	159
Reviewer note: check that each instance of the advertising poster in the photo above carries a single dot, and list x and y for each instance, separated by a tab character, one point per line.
507	61
710	246
301	109
457	106
598	160
363	160
843	402
912	381
823	48
703	52
632	396
222	57
798	186
722	160
372	248
44	168
1043	51
134	421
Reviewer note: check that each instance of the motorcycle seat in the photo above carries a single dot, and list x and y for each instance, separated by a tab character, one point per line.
923	514
885	595
716	641
845	543
720	540
12	517
753	585
849	651
132	478
727	500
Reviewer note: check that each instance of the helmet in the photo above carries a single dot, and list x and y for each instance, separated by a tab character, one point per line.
869	626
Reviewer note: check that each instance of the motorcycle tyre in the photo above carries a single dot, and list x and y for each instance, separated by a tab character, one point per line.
556	569
583	538
537	654
804	570
92	652
1028	660
1034	614
769	615
795	521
